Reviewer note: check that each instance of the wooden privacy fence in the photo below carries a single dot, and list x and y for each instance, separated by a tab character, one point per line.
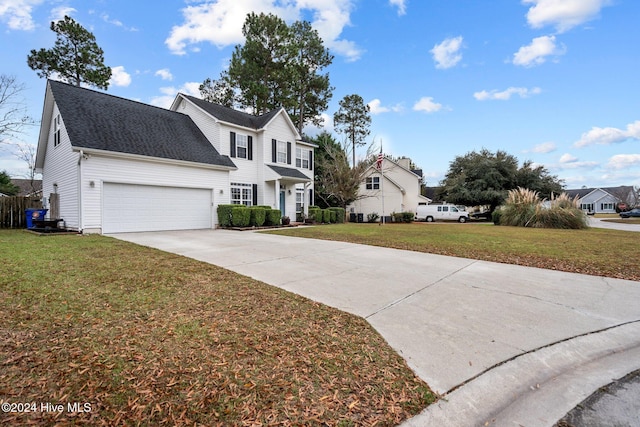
12	210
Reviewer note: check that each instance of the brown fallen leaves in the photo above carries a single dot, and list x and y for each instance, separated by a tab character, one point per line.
148	338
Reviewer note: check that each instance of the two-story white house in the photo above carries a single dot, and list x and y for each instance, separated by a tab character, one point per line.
393	185
112	165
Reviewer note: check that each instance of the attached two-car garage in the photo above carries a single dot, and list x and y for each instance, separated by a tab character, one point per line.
134	207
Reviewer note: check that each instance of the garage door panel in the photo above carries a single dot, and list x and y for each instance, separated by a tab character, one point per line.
129	208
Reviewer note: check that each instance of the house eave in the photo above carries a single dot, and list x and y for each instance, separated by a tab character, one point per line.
161	160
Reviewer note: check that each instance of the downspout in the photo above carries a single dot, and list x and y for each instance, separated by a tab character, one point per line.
80	224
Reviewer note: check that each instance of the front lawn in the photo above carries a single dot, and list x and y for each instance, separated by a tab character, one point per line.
144	337
594	251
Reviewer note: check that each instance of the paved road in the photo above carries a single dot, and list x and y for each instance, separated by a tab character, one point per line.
600	223
503	344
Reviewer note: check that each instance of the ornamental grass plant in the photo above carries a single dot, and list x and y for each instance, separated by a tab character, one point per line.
524	208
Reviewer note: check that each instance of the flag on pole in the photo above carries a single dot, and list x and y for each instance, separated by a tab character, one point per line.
380	158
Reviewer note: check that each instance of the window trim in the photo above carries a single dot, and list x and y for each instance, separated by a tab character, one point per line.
242	190
56	130
372	183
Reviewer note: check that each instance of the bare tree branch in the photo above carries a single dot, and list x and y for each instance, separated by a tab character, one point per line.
13	112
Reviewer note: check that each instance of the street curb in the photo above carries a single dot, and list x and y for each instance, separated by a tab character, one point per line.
540	387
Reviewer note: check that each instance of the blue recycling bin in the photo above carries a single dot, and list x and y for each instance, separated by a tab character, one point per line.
35	214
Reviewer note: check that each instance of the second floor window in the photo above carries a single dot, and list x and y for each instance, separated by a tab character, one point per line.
282	152
241	146
56	130
373	183
302	158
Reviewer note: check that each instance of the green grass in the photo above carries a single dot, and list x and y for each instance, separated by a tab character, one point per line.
592	251
151	338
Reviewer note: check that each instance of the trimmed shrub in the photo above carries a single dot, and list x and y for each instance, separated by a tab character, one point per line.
326	216
403	216
340	214
240	216
315	213
224	215
258	216
272	217
332	216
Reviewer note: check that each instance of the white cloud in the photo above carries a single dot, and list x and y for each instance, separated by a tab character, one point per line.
447	53
119	77
427	105
17	13
624	161
106	18
376	107
545	147
537	52
164	74
220	22
58	13
568	158
568	161
609	135
505	95
400	4
169	94
563	14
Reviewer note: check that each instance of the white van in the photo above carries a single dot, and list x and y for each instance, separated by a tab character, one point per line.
432	213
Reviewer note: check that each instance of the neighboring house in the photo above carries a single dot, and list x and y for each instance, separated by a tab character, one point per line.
28	187
111	164
399	185
601	200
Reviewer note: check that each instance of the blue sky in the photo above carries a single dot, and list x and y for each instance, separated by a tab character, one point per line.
552	81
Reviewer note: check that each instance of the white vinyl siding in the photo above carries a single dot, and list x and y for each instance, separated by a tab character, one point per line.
61	168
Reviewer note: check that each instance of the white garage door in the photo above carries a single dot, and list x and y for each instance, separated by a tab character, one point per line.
128	207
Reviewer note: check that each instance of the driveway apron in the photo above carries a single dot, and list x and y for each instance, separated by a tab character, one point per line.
452	319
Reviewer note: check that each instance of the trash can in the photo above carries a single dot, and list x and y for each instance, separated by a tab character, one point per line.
35	214
360	217
352	217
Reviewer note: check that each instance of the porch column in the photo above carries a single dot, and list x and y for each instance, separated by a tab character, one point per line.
277	194
305	199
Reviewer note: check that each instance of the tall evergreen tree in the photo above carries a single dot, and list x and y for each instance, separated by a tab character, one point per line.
277	66
75	57
353	119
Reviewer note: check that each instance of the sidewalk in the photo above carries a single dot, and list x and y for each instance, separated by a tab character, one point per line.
484	335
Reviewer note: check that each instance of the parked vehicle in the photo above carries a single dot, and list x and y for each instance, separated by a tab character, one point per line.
485	215
432	213
633	213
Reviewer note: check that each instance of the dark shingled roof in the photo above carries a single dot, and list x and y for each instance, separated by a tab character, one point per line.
230	115
289	172
614	191
105	122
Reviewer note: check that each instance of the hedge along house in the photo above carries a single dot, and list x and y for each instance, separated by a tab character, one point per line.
399	185
114	165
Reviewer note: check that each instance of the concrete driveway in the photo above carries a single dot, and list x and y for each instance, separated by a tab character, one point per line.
503	344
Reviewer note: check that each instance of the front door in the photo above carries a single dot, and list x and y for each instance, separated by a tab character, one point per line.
282	212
